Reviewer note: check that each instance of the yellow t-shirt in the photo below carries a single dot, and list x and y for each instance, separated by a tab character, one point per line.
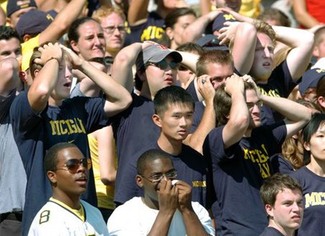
27	49
105	193
250	8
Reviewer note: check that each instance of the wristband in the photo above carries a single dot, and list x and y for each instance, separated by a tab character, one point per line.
53	58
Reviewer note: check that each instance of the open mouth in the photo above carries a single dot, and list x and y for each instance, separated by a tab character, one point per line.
68	84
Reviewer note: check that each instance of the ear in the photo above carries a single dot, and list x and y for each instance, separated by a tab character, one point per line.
269	210
170	33
51	176
321	101
74	46
8	22
316	51
307	146
138	180
26	37
156	119
142	75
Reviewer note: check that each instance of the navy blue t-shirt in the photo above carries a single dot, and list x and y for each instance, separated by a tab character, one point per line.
238	173
313	189
195	169
151	30
280	84
270	231
35	134
134	133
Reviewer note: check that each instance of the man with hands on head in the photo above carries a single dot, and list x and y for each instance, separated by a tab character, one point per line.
45	115
240	149
165	208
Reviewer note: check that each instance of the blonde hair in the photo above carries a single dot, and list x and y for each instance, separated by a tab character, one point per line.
105	11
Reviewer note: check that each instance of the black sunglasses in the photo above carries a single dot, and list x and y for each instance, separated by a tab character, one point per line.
163	64
72	165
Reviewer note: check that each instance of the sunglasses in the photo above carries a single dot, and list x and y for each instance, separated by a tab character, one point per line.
72	165
163	64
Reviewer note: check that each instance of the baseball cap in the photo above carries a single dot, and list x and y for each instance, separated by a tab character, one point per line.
33	22
310	79
219	21
155	53
211	42
15	5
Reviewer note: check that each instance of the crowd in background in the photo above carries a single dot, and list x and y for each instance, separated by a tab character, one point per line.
164	117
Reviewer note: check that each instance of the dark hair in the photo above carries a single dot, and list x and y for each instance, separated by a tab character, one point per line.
276	183
73	34
51	157
190	47
173	16
150	156
317	120
213	56
222	103
6	33
275	14
171	95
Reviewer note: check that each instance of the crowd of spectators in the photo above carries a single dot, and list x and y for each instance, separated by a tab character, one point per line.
164	117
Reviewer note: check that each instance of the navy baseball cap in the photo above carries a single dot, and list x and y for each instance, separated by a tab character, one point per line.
15	5
219	21
211	42
33	22
310	79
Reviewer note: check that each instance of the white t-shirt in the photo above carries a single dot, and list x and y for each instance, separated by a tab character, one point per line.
56	219
135	218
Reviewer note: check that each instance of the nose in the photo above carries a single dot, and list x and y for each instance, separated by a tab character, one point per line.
116	31
296	207
256	109
267	52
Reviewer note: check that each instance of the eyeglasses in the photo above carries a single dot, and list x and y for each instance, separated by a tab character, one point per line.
73	165
111	29
155	178
163	64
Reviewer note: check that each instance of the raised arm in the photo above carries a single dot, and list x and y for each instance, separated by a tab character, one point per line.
239	116
117	97
46	79
208	121
241	38
296	114
302	15
301	42
192	222
9	81
137	12
167	198
62	21
195	30
122	66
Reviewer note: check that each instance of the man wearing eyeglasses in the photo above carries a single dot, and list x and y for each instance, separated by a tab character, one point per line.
165	208
65	213
113	22
240	148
